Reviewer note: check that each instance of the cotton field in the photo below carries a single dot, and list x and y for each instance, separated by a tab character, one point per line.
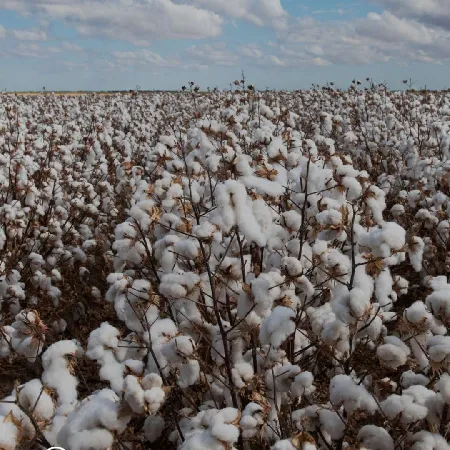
231	270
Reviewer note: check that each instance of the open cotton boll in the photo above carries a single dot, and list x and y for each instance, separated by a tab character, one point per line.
5	340
58	370
33	397
303	384
443	386
292	266
415	252
376	202
383	289
179	348
420	320
438	302
276	328
189	374
383	239
29	335
223	428
331	423
410	378
134	394
252	419
179	286
153	427
359	302
284	444
281	377
292	220
211	429
102	344
344	391
375	438
439	349
11	413
393	353
94	422
410	406
264	291
9	434
236	209
424	440
263	186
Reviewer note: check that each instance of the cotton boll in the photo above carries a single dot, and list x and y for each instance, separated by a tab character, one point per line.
424	440
252	419
383	289
393	353
344	391
154	398
276	328
303	384
29	335
375	438
410	405
153	428
210	429
420	320
134	394
292	220
410	378
292	266
102	343
359	302
33	397
285	444
11	413
443	386
397	210
93	423
5	341
439	349
222	428
438	303
58	370
189	374
415	253
9	434
331	423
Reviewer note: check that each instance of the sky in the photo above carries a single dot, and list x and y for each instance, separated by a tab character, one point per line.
164	44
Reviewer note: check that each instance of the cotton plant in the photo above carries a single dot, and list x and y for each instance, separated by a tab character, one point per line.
27	335
212	428
94	422
238	254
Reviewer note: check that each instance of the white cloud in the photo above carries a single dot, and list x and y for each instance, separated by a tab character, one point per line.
143	57
319	12
432	12
251	51
388	27
30	35
376	38
66	47
28	50
2	31
259	12
70	46
216	54
75	66
140	23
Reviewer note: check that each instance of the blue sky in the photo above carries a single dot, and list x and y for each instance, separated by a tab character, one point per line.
163	44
